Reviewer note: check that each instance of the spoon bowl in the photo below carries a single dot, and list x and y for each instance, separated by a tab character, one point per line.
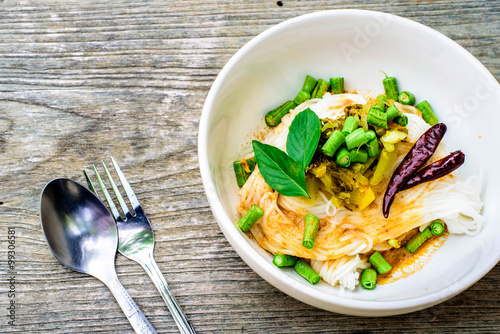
80	230
82	235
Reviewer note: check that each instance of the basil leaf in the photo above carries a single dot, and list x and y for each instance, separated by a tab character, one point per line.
303	137
280	172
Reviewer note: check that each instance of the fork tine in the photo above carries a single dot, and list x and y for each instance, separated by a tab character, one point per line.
119	197
89	183
128	189
111	205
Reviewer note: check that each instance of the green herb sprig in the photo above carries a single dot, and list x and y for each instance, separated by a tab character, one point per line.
286	173
303	137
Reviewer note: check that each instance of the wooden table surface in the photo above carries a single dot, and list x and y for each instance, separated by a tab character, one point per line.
84	80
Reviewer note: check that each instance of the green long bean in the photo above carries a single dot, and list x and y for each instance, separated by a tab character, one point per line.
274	116
379	263
390	87
368	279
377	117
311	226
402	120
320	89
355	139
358	155
241	174
406	98
301	97
427	113
333	143
309	84
351	123
304	270
373	148
343	157
337	85
250	218
284	260
419	240
392	113
437	228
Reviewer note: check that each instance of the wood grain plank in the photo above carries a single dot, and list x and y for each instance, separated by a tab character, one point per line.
80	81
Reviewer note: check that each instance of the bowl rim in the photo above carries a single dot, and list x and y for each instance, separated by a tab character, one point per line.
274	275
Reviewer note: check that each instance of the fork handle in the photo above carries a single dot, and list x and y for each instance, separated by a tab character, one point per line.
139	323
175	309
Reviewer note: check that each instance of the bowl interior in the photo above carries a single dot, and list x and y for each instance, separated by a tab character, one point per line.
357	45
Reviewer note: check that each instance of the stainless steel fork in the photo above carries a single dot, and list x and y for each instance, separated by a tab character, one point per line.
136	239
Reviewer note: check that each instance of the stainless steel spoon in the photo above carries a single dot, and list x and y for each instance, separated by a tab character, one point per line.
82	234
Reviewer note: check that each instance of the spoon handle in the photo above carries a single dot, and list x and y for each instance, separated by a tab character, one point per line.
134	315
161	284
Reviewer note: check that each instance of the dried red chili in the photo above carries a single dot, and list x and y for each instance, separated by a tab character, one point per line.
436	170
419	154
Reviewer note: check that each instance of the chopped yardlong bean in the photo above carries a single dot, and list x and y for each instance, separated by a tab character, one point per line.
390	87
427	113
407	98
343	157
320	89
393	113
241	174
395	243
351	123
250	218
377	117
284	260
368	279
333	143
309	84
301	97
381	102
419	240
311	226
379	263
373	148
358	155
355	139
370	135
337	85
437	228
402	120
274	117
249	164
304	270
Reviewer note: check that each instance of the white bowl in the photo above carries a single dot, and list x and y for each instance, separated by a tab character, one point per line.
356	44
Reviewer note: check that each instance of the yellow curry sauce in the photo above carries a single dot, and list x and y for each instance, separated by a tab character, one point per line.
405	263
